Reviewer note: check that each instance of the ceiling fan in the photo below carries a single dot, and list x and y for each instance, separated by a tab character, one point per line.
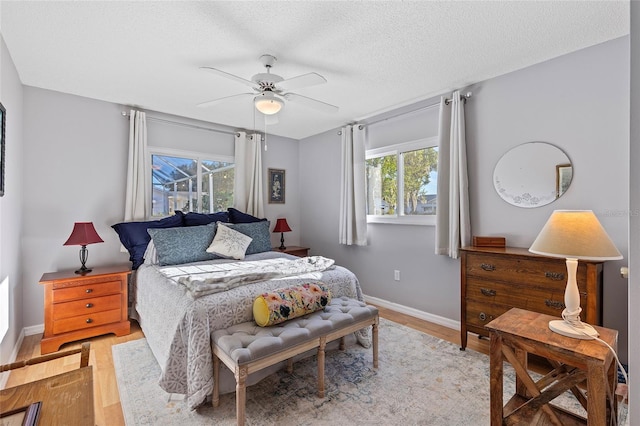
270	90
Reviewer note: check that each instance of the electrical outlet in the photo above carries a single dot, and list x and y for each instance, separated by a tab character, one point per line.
396	275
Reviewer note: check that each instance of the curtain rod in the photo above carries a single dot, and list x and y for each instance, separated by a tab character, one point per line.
177	123
447	101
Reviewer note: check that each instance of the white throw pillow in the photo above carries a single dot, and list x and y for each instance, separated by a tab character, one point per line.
229	243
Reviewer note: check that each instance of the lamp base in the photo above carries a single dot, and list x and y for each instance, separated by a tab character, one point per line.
83	270
582	331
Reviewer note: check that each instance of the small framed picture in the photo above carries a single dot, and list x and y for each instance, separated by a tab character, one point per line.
276	186
564	174
3	122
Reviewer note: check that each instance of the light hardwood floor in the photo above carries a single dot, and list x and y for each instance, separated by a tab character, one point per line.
108	411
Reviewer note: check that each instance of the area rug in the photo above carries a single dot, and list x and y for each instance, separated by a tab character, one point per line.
421	380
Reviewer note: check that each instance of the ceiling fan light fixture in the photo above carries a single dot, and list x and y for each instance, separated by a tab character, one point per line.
267	103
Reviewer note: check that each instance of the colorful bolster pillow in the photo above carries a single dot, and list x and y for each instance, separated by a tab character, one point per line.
282	304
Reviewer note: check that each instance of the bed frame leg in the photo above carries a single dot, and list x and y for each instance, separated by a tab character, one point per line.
323	342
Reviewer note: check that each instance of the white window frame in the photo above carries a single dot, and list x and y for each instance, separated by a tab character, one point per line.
198	156
397	149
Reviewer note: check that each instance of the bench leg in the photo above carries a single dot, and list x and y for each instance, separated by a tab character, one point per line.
215	399
241	394
374	338
342	343
290	365
323	342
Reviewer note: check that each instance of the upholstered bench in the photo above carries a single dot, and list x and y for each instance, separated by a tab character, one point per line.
246	348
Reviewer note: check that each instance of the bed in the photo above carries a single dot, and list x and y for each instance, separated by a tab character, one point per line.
178	323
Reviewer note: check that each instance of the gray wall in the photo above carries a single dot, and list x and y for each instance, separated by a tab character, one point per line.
11	96
578	102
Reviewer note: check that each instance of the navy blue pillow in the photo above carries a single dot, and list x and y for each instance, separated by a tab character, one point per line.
236	216
135	238
259	232
197	219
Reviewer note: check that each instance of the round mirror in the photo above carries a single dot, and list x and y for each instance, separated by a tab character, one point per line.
533	174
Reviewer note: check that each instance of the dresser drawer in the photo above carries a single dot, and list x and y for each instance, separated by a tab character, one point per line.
86	291
86	306
479	314
548	273
86	321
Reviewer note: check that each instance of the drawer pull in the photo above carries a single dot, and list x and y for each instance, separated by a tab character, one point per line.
555	276
89	290
89	321
488	267
554	304
482	316
488	292
89	305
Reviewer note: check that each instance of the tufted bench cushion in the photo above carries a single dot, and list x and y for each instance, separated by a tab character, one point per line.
246	347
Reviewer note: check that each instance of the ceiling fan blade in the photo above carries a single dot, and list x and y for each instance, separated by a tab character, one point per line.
304	80
215	101
313	103
230	76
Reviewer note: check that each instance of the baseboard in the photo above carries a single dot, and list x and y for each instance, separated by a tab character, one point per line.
436	319
34	329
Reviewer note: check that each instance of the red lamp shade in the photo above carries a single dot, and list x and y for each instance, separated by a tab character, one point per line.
282	226
83	233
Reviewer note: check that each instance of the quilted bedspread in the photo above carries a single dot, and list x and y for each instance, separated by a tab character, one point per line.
178	327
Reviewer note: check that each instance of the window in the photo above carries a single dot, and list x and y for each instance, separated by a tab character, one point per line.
402	183
191	183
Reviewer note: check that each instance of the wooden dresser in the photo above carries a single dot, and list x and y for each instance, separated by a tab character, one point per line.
80	306
494	280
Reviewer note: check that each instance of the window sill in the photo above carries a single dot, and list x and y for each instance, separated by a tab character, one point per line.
403	220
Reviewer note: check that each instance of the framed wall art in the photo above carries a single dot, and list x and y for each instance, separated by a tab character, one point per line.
3	121
276	186
564	174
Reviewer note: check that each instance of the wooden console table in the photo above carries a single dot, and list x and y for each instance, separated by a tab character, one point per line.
517	333
67	399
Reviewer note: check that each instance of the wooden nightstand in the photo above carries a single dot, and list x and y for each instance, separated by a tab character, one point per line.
80	306
294	250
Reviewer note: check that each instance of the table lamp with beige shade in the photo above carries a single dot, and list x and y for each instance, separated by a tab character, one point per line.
574	235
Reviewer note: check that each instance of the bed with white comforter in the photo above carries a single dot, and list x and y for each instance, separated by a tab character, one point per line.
178	322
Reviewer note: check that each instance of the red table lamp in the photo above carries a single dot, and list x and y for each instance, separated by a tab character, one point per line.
282	226
83	234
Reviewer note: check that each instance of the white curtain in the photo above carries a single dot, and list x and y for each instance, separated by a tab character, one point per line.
353	216
138	194
247	190
453	224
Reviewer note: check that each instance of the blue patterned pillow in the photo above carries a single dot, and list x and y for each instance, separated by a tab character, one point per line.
258	231
183	245
135	238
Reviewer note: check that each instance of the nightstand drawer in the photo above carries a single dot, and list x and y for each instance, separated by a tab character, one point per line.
86	291
86	321
86	306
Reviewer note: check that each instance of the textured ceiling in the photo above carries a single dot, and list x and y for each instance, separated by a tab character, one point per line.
374	55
